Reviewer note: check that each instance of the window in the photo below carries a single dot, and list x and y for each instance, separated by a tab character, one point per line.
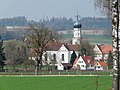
62	57
82	65
80	62
98	66
54	57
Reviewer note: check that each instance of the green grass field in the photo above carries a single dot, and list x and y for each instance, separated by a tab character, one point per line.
55	83
95	39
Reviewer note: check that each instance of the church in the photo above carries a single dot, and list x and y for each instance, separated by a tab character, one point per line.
61	52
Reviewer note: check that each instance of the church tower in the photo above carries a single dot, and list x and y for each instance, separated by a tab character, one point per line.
76	32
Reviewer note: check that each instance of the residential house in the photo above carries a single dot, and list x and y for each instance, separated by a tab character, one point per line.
59	54
101	65
84	63
102	52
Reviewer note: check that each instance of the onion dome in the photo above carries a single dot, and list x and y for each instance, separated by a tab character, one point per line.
77	25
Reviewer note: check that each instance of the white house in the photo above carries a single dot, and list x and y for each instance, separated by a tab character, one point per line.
61	53
101	65
102	52
84	63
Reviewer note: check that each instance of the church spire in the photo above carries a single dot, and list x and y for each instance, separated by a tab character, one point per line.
77	16
77	31
77	24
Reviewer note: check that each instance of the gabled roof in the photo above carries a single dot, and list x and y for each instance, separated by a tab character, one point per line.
75	61
72	47
54	46
105	49
88	59
102	63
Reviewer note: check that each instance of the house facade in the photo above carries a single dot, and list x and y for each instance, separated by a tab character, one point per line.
102	52
101	65
84	63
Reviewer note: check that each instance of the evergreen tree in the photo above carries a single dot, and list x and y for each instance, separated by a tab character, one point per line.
2	55
73	57
110	59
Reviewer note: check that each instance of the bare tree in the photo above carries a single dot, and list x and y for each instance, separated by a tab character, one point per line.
39	36
105	6
86	48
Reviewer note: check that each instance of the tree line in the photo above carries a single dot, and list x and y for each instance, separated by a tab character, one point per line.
15	21
61	23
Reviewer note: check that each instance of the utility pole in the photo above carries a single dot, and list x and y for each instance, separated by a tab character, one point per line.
115	42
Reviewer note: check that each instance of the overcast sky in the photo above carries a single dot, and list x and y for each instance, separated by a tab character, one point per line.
37	9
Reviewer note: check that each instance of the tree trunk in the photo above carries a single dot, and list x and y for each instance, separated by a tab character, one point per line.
38	64
115	34
2	67
37	67
14	67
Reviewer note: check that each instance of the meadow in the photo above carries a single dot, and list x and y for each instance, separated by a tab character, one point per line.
55	83
95	39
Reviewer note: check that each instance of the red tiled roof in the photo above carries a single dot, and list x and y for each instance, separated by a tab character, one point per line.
88	59
75	60
105	49
102	63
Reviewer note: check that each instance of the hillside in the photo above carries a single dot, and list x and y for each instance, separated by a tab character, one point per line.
96	23
61	23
